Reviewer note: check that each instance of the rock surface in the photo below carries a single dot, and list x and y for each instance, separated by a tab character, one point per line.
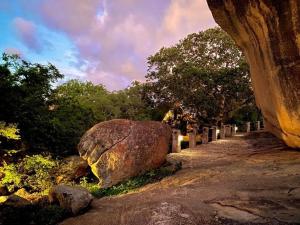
119	149
72	168
15	201
73	199
251	180
268	32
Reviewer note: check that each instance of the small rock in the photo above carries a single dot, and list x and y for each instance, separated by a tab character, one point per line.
32	197
73	199
16	201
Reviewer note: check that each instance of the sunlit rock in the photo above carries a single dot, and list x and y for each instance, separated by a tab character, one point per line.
268	32
119	149
72	199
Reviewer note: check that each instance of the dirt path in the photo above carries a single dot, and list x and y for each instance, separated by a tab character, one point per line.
243	180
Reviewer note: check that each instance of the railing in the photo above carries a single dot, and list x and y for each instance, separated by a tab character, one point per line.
208	134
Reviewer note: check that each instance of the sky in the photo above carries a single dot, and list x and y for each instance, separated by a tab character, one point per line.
103	41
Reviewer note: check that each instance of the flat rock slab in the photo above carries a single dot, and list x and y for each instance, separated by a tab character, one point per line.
242	180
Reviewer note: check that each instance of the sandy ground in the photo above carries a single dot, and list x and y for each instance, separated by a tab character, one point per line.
247	179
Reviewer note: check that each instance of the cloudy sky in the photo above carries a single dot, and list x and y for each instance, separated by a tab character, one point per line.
103	41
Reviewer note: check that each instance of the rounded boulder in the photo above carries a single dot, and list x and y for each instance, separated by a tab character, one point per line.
119	149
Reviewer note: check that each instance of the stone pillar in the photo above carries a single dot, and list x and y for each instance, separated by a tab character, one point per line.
234	129
222	132
228	131
176	143
257	125
263	124
248	127
214	135
205	135
192	138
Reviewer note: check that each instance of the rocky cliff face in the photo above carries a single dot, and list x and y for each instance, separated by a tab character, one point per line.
268	32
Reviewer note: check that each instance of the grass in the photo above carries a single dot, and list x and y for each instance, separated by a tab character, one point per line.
131	184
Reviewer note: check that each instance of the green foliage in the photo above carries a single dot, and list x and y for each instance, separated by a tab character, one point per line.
12	178
38	163
38	169
9	131
88	96
25	89
54	119
130	103
247	113
205	72
32	173
131	184
79	105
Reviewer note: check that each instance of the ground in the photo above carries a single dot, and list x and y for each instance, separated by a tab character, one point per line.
247	179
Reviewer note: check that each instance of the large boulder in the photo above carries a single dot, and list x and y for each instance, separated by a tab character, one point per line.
119	149
268	32
72	199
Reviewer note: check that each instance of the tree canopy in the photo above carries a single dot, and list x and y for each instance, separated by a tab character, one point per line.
53	118
205	72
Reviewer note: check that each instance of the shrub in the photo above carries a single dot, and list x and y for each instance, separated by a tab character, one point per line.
39	169
9	131
32	173
11	177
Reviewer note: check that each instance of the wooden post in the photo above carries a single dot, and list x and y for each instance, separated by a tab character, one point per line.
222	131
176	143
192	138
257	125
205	135
248	127
214	135
234	129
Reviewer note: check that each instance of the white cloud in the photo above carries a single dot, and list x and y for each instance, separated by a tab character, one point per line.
116	37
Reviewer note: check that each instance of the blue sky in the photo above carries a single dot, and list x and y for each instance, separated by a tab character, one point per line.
101	41
57	47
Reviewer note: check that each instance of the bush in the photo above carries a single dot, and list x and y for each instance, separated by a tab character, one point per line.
32	173
9	131
12	179
38	169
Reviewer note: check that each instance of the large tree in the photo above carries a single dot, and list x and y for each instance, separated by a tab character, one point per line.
25	89
77	105
205	72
